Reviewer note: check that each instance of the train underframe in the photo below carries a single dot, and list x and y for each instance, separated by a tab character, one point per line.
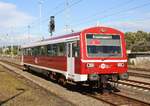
102	80
94	80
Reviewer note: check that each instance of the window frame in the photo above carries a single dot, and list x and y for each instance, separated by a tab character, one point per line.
104	56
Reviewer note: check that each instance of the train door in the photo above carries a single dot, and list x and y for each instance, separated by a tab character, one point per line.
70	60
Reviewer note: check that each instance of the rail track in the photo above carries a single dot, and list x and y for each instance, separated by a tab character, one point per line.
114	99
139	74
138	84
139	69
128	82
31	83
13	64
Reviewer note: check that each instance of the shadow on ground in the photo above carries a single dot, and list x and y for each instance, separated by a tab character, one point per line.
21	91
83	89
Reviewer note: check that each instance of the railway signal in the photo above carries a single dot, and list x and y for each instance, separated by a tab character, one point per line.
52	25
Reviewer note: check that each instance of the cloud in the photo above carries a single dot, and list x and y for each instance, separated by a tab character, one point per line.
131	25
26	38
10	16
19	39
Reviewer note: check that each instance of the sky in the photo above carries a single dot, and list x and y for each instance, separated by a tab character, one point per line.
20	20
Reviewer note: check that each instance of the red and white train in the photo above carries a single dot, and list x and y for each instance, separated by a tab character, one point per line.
93	55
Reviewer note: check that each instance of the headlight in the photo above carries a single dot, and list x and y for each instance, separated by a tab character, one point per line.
120	64
90	65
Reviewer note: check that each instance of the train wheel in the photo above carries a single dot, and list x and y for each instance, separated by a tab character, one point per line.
51	76
62	80
79	84
26	68
94	84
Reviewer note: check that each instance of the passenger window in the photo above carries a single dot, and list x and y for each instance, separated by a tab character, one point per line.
69	46
24	52
35	51
61	49
56	49
49	50
75	49
43	50
28	51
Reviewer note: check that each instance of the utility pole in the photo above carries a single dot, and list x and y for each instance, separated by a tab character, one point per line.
40	13
12	42
1	48
2	39
67	26
6	44
29	32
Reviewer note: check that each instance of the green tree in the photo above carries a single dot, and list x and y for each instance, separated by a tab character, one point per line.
137	41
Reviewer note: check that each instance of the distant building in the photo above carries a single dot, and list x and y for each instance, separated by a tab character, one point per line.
136	58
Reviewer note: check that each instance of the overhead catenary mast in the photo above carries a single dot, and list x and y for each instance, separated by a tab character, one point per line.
12	48
67	26
40	2
29	32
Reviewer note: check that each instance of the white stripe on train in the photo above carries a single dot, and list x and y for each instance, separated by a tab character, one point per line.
103	60
75	77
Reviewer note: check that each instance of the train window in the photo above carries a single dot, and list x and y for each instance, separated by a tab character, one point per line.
49	50
75	49
90	36
55	49
35	51
103	45
24	52
52	50
61	49
28	51
69	46
115	37
43	50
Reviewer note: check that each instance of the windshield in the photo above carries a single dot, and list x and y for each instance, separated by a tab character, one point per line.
99	45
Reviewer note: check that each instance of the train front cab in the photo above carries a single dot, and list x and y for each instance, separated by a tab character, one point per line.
103	54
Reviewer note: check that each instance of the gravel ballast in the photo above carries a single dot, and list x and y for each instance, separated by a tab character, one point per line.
68	95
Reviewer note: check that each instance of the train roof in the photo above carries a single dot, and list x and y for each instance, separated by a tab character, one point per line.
63	38
51	40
